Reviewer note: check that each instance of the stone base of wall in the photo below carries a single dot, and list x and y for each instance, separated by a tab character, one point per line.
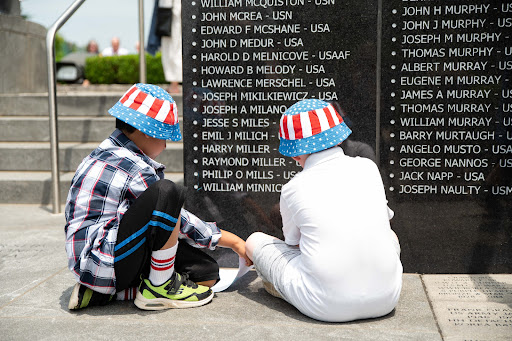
23	56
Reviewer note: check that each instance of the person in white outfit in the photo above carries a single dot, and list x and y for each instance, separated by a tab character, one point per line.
171	47
114	49
340	260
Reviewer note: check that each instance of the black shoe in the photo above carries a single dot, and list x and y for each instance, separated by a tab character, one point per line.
83	297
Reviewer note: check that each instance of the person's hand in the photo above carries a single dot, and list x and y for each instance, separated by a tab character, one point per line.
239	248
235	243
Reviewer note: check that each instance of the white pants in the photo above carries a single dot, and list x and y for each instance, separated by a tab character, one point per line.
279	263
171	46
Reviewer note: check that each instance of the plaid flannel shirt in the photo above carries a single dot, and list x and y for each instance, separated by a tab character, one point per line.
105	184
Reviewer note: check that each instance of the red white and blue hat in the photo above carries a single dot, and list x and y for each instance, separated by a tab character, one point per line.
150	109
310	126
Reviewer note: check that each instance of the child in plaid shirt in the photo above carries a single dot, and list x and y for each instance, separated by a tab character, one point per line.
126	231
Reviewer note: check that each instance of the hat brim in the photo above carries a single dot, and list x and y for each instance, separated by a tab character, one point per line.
316	143
146	124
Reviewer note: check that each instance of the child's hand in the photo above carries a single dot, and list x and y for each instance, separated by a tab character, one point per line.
235	243
239	248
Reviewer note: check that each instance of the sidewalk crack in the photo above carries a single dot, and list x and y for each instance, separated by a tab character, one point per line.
431	308
29	290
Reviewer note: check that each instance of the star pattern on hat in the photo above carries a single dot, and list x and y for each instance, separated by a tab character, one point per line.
306	105
152	126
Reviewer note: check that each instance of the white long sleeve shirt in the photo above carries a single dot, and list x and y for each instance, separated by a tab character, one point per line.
336	211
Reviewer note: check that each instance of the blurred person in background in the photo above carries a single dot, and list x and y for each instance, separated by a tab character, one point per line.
170	42
114	49
92	47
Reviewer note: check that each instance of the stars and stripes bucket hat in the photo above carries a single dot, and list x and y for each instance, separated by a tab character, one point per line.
150	109
310	126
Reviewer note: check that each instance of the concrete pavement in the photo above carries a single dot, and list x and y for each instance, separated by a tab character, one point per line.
35	286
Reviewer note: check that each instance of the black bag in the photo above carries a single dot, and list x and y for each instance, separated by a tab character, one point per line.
163	21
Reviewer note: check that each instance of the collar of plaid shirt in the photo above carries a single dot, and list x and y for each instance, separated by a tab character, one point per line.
120	139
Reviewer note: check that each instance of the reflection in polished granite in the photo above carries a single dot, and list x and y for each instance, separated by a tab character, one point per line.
465	230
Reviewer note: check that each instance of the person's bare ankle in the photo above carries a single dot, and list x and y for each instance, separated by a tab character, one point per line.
174	88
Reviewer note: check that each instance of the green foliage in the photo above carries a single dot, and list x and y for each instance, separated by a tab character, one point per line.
154	69
128	69
63	47
100	70
123	69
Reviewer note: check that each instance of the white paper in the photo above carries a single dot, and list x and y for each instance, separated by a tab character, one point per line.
229	276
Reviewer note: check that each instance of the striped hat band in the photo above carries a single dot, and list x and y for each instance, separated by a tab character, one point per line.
160	110
309	123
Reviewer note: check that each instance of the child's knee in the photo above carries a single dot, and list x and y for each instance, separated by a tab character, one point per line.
253	240
164	186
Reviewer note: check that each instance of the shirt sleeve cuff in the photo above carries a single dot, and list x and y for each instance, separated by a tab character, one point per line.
391	214
291	241
215	241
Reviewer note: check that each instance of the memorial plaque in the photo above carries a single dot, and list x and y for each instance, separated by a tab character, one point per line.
245	62
478	321
471	288
471	307
425	85
446	132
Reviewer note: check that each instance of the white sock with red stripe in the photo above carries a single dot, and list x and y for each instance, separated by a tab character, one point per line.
162	265
126	294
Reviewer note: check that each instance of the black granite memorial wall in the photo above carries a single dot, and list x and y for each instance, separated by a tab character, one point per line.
424	85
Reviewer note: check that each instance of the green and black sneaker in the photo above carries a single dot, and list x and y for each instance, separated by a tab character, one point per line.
177	292
83	297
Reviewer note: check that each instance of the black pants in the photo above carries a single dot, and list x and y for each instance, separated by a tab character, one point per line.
145	227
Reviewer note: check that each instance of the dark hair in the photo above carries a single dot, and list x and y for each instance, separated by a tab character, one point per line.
123	126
